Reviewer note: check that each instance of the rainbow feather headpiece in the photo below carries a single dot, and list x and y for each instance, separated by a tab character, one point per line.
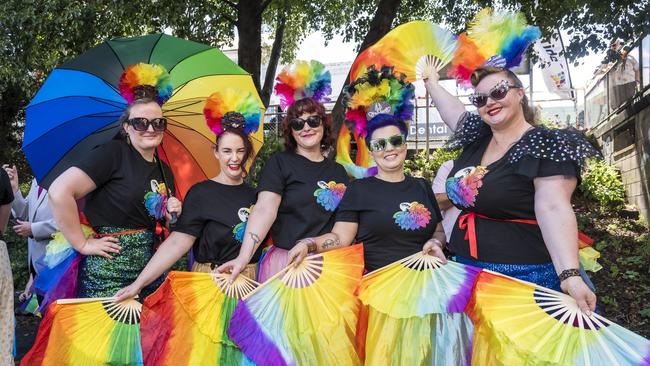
146	81
497	39
303	80
232	108
378	86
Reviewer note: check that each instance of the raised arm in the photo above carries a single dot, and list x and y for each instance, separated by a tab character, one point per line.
64	191
170	251
258	225
449	106
557	221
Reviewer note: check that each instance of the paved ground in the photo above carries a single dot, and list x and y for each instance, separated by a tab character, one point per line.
26	328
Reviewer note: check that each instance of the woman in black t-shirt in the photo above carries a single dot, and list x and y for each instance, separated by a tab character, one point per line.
126	198
298	192
215	211
514	182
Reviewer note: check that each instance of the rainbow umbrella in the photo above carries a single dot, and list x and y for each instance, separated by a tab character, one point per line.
78	106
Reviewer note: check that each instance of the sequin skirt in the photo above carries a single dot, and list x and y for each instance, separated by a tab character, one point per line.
102	277
540	274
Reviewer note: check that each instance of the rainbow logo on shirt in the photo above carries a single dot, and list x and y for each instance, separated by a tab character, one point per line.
412	216
329	194
155	201
240	229
462	188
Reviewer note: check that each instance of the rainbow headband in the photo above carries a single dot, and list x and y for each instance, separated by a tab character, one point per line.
142	80
303	80
497	39
232	109
378	92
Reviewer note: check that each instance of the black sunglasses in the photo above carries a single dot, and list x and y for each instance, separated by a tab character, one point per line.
498	92
298	124
382	144
142	124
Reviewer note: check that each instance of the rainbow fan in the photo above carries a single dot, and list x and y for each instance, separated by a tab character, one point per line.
363	166
415	49
519	323
58	279
88	332
137	78
303	80
185	321
419	297
233	103
493	38
304	315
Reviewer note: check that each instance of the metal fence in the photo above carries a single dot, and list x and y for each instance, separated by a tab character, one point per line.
617	84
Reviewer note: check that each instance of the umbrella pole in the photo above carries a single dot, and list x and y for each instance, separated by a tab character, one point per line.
169	193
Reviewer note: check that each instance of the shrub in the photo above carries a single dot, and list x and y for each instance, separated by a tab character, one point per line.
272	144
421	166
601	183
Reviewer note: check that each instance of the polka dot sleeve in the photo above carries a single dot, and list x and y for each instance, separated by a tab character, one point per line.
470	129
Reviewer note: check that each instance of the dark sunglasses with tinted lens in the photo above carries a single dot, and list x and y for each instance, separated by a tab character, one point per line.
298	124
142	124
382	144
498	92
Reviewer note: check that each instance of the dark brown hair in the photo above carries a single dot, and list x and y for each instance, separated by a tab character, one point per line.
480	73
248	145
297	109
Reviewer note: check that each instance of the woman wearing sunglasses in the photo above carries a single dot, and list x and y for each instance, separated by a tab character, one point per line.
392	214
126	198
299	188
214	235
513	183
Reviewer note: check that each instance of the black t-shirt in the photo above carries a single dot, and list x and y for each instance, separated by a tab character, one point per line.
311	192
126	187
6	194
395	219
504	190
216	214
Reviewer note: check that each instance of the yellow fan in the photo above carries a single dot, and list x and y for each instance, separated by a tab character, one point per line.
92	331
520	323
420	297
185	321
304	315
415	49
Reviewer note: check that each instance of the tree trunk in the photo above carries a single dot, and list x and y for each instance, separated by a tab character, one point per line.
380	25
249	29
274	57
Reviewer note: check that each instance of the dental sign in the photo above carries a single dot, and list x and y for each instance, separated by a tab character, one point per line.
554	66
437	128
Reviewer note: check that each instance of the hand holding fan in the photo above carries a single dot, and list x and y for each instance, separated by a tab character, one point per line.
92	331
304	315
415	312
186	319
519	323
416	49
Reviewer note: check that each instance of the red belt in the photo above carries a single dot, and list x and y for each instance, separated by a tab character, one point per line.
467	222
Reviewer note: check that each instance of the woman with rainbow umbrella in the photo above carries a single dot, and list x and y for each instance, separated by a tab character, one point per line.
124	185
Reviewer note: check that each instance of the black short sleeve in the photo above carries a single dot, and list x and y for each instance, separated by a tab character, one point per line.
192	220
349	208
6	194
272	178
102	163
531	167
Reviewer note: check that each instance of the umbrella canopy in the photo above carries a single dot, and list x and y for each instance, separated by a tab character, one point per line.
78	106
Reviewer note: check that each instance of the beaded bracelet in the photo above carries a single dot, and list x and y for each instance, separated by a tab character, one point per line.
571	272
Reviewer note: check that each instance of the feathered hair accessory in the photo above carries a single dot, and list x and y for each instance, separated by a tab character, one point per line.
232	109
497	39
378	92
303	80
142	80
